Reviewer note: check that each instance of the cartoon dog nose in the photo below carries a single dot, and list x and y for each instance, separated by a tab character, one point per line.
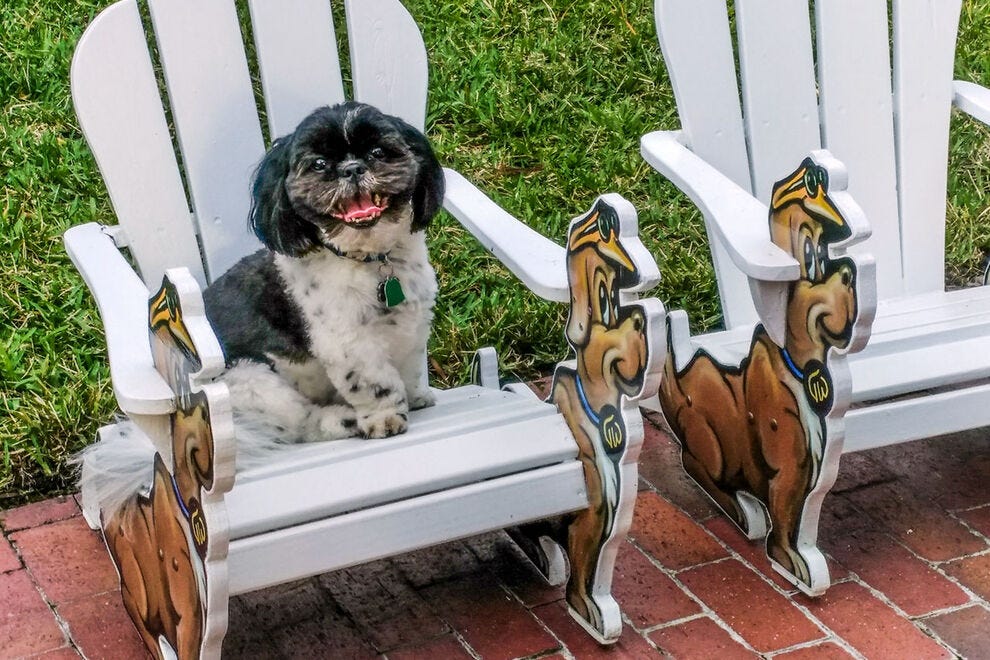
846	273
351	169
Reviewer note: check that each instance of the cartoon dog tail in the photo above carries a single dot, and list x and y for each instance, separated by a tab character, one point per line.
114	469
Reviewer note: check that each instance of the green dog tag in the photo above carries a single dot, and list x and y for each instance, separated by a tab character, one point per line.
390	292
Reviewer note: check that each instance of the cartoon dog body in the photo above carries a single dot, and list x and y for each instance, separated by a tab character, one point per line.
611	344
758	430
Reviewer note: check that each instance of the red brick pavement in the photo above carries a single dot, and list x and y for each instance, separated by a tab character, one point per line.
906	531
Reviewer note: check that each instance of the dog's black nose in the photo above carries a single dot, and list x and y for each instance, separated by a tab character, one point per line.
351	169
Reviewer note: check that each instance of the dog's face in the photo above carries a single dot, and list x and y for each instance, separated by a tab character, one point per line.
609	339
348	176
822	305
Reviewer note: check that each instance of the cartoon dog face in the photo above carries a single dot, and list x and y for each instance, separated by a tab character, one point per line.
822	306
609	340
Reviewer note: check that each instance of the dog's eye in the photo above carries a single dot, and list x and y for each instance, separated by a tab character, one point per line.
319	165
809	258
377	152
605	304
822	259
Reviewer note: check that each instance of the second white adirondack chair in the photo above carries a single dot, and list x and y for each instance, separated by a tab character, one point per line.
483	458
807	80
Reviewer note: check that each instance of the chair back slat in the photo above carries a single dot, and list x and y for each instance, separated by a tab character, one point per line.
697	50
131	142
388	59
297	58
780	99
858	123
216	121
924	48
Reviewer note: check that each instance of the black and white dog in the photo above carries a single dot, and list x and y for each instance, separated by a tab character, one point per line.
325	331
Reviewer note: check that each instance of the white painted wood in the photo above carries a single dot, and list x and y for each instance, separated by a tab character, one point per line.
972	99
924	416
260	561
388	59
857	121
123	303
780	98
297	59
532	257
924	50
131	142
213	107
437	462
738	220
707	95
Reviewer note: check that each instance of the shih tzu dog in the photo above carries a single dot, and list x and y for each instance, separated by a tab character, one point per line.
325	331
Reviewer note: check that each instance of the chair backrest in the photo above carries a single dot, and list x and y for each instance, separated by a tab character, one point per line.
874	90
186	203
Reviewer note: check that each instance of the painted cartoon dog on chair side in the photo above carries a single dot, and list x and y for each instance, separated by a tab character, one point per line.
757	433
617	345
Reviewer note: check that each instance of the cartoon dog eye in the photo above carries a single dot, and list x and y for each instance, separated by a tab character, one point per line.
810	256
605	303
822	260
815	178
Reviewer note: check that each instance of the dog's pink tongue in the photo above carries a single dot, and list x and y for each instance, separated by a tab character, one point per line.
361	208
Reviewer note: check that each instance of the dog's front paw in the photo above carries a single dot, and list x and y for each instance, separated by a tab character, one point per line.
423	399
382	424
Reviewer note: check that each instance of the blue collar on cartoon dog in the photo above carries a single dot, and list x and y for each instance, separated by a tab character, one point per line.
592	415
178	496
790	364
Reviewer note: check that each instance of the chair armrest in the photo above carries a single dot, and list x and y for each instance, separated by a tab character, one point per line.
972	99
122	299
738	219
532	257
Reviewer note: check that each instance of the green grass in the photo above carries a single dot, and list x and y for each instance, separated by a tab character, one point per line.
539	103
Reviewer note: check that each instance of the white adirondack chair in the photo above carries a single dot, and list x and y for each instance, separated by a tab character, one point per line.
826	77
483	458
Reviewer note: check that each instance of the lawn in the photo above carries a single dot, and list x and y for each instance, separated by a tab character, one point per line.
539	103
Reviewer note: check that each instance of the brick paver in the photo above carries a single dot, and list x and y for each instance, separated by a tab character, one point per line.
906	530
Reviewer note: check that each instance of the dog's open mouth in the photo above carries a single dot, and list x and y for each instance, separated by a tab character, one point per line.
363	210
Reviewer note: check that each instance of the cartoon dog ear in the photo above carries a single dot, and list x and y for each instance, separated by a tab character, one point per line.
428	193
274	221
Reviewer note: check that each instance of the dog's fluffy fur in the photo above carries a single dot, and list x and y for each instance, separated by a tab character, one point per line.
312	352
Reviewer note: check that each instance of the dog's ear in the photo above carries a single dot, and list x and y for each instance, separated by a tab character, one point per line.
428	193
274	221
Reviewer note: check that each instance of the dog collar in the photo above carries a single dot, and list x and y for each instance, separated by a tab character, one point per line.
816	381
790	364
178	497
592	415
368	258
611	430
390	291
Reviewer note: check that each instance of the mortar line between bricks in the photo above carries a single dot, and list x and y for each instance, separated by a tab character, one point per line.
789	595
562	648
972	530
705	609
815	643
931	633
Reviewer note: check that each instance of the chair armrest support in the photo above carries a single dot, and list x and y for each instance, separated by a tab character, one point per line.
122	299
972	99
739	219
532	257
